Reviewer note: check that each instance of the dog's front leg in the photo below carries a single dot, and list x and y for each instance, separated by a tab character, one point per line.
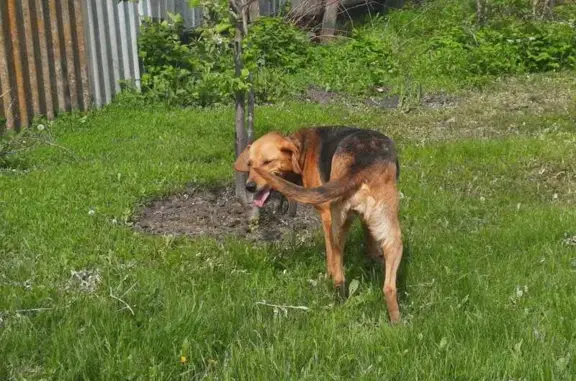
334	257
326	218
292	207
287	206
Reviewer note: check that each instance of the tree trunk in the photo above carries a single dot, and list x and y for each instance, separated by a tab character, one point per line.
535	8
241	136
251	102
254	11
246	18
329	20
255	211
543	8
480	11
548	8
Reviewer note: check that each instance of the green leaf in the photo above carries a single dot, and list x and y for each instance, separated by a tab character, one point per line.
222	27
443	343
353	287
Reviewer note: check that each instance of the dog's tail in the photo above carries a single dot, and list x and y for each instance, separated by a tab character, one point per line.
330	191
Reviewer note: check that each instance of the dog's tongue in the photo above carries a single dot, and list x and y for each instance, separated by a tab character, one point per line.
261	197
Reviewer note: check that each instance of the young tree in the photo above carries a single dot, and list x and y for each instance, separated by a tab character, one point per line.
480	11
237	15
253	15
223	17
233	17
329	20
254	10
542	8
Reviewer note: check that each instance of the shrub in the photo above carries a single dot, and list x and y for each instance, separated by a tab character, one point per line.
511	48
13	144
536	46
438	46
179	73
354	65
201	71
274	43
463	53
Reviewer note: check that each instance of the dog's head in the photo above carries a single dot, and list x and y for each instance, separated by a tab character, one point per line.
272	153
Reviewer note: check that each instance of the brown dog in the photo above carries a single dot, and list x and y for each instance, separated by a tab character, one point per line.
344	172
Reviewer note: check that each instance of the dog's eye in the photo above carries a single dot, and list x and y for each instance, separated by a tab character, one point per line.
266	162
249	163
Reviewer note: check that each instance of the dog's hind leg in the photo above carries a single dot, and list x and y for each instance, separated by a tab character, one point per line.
341	222
392	247
373	249
344	230
326	218
381	216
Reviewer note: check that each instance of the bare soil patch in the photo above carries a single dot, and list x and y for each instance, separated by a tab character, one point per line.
215	212
316	94
385	100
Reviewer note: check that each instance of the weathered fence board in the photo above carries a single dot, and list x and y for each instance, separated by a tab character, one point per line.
58	56
63	55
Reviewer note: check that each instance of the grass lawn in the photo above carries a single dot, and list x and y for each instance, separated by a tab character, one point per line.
488	282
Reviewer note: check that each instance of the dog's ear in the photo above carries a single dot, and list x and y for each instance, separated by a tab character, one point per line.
241	164
290	147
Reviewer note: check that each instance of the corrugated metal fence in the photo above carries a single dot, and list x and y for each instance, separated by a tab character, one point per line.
42	61
64	55
159	9
193	16
112	35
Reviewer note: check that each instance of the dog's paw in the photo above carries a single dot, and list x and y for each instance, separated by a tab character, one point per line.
341	291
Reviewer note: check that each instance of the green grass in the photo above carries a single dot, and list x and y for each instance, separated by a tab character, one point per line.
488	284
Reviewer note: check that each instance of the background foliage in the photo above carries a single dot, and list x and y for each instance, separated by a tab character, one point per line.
439	46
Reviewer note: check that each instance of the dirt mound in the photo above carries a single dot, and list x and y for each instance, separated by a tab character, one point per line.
216	213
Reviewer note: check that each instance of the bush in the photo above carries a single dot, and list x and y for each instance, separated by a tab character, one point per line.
273	43
355	65
179	73
201	72
13	143
437	46
534	46
510	48
455	51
